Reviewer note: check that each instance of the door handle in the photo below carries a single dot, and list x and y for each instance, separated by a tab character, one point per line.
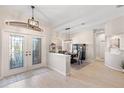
26	54
29	53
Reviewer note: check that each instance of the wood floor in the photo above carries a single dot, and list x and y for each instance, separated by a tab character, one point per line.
97	74
92	75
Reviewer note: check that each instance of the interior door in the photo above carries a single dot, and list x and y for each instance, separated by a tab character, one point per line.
14	55
35	52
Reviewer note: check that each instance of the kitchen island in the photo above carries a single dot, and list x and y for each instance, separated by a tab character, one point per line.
60	63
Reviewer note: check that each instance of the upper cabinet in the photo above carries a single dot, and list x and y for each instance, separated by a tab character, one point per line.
115	26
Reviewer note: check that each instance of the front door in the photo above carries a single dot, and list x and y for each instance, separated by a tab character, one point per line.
21	53
35	52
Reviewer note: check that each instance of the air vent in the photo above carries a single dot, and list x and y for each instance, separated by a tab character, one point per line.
67	28
119	6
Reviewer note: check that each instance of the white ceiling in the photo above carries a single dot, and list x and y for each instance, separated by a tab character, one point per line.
61	16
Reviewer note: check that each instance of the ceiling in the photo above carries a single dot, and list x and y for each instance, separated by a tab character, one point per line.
61	16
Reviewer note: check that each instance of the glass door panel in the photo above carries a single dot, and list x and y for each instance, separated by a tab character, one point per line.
21	53
36	51
16	51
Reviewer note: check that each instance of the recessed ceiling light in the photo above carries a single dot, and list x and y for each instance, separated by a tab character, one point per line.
82	23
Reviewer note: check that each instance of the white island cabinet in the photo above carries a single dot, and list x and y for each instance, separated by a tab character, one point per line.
59	63
114	61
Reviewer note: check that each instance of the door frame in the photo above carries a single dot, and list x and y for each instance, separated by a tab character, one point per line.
96	33
30	65
4	51
5	55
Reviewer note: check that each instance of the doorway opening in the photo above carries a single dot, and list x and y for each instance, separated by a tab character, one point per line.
99	45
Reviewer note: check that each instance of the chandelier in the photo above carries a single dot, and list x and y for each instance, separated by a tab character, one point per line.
32	22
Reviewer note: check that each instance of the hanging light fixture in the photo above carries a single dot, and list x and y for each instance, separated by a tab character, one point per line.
68	38
31	24
32	21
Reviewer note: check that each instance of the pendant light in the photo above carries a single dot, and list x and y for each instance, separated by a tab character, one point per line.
31	24
68	38
32	21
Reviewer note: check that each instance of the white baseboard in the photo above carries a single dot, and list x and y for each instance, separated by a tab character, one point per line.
114	68
1	77
53	68
90	60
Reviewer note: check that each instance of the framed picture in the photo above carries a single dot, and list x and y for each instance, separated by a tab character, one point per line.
115	42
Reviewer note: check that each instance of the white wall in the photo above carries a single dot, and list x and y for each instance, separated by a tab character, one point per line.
115	26
114	56
0	55
56	37
83	37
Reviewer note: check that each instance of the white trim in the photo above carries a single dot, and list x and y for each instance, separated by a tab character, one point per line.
53	68
3	51
1	77
114	68
31	33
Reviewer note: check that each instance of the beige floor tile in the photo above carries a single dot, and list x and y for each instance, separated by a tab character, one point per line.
94	74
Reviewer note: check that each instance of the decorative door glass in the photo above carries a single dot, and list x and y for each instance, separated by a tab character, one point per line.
36	51
16	51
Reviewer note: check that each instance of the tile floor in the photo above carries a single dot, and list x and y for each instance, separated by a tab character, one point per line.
87	75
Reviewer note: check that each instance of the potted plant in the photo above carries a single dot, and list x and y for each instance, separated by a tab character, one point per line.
122	66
